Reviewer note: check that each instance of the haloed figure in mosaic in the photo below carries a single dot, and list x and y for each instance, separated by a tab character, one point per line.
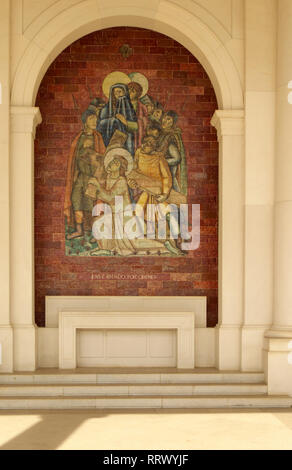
118	165
124	111
118	114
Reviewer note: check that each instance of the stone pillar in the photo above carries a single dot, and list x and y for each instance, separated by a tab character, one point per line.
260	74
278	345
230	131
6	337
23	124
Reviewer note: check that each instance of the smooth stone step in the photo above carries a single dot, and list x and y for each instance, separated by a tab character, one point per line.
181	402
17	390
197	390
228	402
133	378
227	378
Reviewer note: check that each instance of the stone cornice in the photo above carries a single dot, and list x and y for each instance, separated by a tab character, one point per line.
24	119
228	122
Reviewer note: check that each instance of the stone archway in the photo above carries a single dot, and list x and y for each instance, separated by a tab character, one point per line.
48	35
54	31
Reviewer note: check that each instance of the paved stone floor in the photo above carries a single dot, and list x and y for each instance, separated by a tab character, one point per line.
175	429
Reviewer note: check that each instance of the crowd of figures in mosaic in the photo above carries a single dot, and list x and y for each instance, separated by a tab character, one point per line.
130	146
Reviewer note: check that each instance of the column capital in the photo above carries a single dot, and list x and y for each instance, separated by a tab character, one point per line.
228	122
24	119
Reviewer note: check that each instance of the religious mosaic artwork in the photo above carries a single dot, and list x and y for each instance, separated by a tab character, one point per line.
85	155
130	149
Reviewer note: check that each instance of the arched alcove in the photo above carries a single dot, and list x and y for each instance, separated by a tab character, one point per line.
178	82
201	34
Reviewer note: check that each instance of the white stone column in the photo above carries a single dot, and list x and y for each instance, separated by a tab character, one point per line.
279	339
6	337
230	130
23	124
260	99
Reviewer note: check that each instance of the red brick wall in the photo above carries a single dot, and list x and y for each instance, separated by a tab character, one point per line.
176	78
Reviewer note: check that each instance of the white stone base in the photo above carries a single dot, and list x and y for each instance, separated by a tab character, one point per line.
6	341
70	322
252	345
278	362
48	347
90	355
228	341
205	353
25	348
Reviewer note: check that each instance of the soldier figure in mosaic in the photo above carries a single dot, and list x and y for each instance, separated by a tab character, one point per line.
87	148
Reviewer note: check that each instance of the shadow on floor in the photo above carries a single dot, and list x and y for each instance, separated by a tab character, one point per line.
56	426
49	433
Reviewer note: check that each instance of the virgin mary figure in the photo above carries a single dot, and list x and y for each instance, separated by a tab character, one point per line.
118	114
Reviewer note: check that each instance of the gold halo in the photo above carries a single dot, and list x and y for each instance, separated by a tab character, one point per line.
121	152
113	78
142	80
